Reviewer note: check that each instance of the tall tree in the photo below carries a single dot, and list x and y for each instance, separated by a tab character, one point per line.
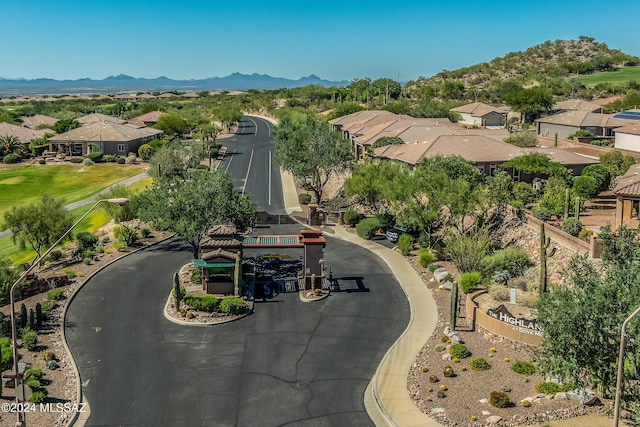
530	102
189	207
582	319
310	151
172	125
370	184
38	224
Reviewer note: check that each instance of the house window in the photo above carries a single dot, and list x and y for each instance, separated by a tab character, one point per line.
121	148
492	169
516	175
480	168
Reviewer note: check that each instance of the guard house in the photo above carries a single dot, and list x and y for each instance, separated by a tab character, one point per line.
222	252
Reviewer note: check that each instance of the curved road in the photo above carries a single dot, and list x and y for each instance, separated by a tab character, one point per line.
289	363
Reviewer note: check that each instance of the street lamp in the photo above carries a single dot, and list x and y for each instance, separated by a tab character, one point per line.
20	422
623	334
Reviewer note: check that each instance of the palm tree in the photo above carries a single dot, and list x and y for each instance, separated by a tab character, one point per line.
9	144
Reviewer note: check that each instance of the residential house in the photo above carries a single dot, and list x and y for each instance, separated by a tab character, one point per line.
481	114
147	119
566	123
24	134
577	105
628	138
98	117
487	153
627	192
38	120
110	137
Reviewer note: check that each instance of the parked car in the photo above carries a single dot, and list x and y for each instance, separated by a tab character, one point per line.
396	231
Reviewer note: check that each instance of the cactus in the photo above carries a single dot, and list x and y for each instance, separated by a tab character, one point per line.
32	319
578	207
176	290
454	305
544	246
555	140
567	202
39	317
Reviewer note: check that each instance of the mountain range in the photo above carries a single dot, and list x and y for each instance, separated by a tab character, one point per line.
124	83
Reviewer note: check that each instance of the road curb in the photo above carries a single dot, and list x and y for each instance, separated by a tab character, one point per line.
81	417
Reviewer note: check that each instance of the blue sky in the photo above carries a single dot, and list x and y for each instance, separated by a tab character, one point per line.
336	40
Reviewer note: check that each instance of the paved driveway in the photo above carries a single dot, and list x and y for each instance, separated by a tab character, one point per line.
289	363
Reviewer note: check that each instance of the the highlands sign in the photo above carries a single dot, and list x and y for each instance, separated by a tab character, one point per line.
522	325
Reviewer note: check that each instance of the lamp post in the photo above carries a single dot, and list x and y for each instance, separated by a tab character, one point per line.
21	422
623	334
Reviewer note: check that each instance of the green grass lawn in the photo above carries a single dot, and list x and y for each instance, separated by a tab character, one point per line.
621	75
24	184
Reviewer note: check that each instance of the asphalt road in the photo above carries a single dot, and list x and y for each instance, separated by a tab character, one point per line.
289	363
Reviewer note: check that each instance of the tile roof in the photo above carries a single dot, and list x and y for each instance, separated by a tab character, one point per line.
97	117
219	253
23	133
577	105
105	131
475	148
146	119
33	122
629	183
582	118
479	109
604	101
633	129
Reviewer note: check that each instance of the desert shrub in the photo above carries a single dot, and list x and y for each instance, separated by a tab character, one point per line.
548	387
425	257
86	261
500	277
459	350
585	234
56	294
572	226
145	232
600	142
87	162
523	367
110	158
196	276
367	228
513	260
351	217
42	161
499	399
528	299
55	255
479	364
126	234
85	240
233	306
119	245
105	239
433	267
499	292
469	281
439	348
87	253
468	250
580	133
387	221
405	244
542	213
33	373
6	353
39	396
130	160
46	355
29	339
48	305
524	192
100	249
207	303
119	160
70	273
304	198
522	139
11	158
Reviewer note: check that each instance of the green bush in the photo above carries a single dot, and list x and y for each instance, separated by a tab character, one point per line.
499	399
42	161
100	249
580	133
479	364
513	260
351	217
600	142
55	255
183	292
33	373
127	235
459	350
233	306
524	368
6	353
304	198
585	234
469	281
85	240
110	158
29	339
572	226
600	173
146	151
468	250
196	276
387	221
542	213
119	160
207	303
56	294
70	273
38	396
48	305
405	244
87	253
586	186
367	228
119	245
145	232
425	257
87	162
524	192
11	158
548	387
96	155
433	267
76	159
